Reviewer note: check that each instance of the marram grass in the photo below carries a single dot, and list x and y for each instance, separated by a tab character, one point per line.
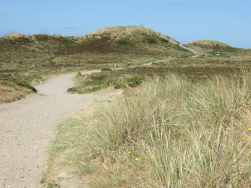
172	133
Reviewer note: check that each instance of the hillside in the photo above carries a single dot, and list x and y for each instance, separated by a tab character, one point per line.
131	40
205	46
40	53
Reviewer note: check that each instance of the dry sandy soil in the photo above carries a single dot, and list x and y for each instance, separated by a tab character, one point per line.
28	125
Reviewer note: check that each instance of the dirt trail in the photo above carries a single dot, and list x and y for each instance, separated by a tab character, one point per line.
27	126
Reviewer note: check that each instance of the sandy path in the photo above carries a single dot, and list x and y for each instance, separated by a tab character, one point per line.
27	126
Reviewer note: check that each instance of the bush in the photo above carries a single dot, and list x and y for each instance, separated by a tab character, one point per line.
151	40
120	86
106	69
134	81
124	42
163	40
181	49
22	84
81	90
183	57
69	42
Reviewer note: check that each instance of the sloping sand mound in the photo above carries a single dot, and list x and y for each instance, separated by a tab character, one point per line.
19	35
203	46
209	44
14	35
117	32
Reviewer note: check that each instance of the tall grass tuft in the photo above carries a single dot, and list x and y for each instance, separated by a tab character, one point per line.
171	132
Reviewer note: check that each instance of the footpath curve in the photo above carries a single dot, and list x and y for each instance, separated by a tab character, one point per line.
28	125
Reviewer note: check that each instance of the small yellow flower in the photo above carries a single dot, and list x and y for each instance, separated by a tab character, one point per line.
122	147
249	129
137	159
194	122
99	163
191	108
129	152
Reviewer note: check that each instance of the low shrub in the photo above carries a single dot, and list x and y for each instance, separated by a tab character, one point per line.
151	40
179	48
158	63
120	86
134	81
69	42
97	84
81	90
106	69
163	39
183	57
124	42
22	84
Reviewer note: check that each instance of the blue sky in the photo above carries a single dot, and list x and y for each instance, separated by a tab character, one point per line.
227	21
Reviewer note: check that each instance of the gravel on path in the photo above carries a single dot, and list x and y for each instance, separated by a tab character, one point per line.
28	125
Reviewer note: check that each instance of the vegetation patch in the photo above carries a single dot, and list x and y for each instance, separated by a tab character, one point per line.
99	81
81	90
163	39
124	42
106	69
180	48
158	63
151	40
23	84
69	42
217	53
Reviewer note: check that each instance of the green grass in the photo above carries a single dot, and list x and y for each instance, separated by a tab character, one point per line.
22	83
98	81
163	40
69	42
106	69
217	53
183	57
124	42
151	40
179	48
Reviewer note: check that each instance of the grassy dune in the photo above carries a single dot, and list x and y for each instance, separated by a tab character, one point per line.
40	54
207	46
28	57
168	132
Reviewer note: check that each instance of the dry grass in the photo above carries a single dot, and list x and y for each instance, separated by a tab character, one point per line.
169	132
10	92
115	32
